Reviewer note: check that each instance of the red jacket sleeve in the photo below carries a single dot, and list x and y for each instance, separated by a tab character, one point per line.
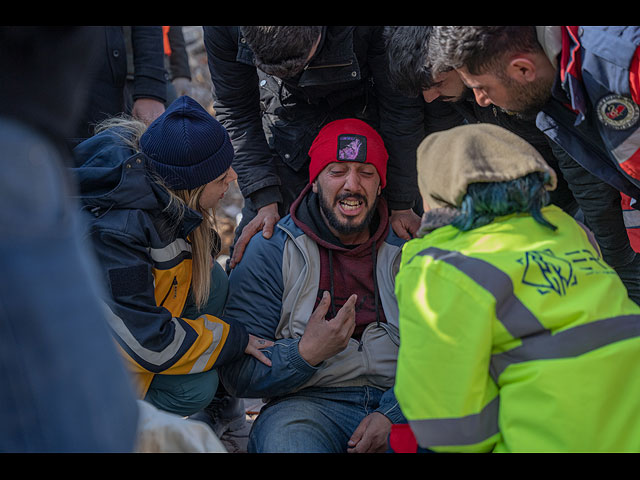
634	77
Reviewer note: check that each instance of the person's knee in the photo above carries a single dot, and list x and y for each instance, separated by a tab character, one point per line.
183	394
294	427
204	393
276	435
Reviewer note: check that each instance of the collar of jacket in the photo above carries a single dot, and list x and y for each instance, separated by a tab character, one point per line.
550	38
562	47
336	60
436	218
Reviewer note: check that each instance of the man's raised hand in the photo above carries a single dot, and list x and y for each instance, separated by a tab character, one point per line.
324	338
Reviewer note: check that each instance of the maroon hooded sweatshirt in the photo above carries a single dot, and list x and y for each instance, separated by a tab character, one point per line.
345	269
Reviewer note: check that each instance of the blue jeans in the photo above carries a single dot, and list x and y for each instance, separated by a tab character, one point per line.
313	420
187	394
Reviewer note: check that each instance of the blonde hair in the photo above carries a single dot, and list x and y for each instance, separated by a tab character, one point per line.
205	241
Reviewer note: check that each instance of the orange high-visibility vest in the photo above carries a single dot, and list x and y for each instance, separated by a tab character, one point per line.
165	38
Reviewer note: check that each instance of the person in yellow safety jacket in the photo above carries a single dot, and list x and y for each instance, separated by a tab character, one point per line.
515	335
151	193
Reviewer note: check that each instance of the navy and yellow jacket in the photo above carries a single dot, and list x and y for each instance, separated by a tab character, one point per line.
146	265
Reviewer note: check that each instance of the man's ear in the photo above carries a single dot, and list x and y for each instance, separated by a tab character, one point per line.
522	68
314	186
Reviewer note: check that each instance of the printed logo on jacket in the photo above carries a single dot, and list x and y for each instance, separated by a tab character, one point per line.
617	112
548	272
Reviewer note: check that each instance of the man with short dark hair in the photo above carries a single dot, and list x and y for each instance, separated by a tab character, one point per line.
322	289
283	51
581	85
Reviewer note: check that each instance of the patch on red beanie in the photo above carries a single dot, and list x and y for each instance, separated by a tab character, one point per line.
348	140
352	148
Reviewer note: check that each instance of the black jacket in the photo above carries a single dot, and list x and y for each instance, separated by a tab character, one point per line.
107	94
346	78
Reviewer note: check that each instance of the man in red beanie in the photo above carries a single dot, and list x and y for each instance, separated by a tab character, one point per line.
322	288
349	190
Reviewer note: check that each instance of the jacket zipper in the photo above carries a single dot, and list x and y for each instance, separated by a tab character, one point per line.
174	287
310	67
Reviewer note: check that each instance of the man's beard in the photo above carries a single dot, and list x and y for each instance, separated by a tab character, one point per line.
529	99
348	227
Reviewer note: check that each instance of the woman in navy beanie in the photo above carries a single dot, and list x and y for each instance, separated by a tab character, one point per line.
151	194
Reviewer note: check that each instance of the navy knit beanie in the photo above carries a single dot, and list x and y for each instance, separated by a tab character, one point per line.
186	146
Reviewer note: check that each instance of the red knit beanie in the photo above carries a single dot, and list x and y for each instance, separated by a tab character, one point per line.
348	140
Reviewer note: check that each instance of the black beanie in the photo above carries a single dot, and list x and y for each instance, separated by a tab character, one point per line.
186	146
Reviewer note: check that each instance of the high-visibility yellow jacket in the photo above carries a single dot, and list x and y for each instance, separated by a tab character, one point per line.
516	338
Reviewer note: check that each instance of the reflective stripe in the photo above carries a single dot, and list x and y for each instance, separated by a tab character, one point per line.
170	351
150	356
568	343
171	251
537	342
628	148
510	311
458	431
218	331
631	218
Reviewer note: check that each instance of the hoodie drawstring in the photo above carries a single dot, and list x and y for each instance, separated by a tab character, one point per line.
333	305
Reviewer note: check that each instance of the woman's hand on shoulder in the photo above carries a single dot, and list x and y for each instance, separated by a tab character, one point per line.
255	346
